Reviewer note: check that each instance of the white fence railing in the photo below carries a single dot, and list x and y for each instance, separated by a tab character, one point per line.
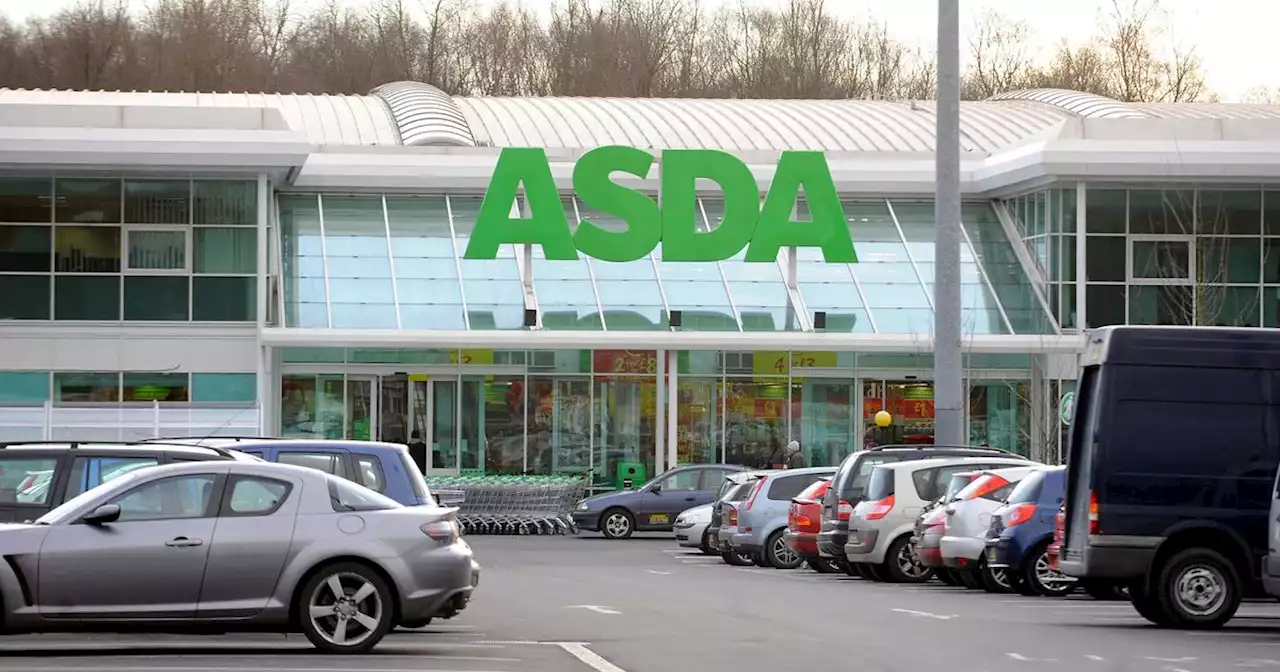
126	421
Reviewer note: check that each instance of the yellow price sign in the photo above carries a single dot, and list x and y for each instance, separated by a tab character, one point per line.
780	363
471	357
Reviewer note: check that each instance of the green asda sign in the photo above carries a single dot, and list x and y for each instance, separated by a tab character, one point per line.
672	219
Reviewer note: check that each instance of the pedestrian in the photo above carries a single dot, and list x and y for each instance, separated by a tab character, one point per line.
795	458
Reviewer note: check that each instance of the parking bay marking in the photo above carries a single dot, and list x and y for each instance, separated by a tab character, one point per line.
590	658
596	608
925	614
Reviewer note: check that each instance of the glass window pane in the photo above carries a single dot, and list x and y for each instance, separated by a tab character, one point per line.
840	302
86	387
624	418
1230	212
157	250
24	297
1218	306
1162	304
358	263
425	267
1003	271
1105	210
87	249
155	387
224	387
225	299
1105	258
302	263
157	201
24	386
224	202
1162	259
26	248
226	250
1105	305
156	298
87	201
26	480
903	320
178	497
755	421
26	199
1167	211
1271	212
89	297
1224	260
495	294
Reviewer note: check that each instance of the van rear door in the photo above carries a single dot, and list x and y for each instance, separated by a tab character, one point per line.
1081	458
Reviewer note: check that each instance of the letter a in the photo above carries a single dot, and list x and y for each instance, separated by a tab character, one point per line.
546	225
829	229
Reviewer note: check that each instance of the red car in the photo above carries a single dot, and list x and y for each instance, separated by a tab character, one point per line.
804	521
932	525
1058	524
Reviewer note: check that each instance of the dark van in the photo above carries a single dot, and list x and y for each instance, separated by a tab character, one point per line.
849	484
1171	461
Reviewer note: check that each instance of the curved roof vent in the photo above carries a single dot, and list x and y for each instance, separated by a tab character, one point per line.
425	115
1087	105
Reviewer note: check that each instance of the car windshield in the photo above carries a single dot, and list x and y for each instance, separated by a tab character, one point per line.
350	496
815	490
880	485
866	466
68	509
740	493
725	487
958	482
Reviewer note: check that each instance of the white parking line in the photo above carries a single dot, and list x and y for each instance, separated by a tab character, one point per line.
590	658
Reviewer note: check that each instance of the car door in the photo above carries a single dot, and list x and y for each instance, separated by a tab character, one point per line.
708	487
251	539
147	564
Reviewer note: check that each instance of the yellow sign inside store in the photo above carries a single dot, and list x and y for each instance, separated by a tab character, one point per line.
779	363
471	357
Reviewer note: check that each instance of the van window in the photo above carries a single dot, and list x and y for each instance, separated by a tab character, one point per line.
786	488
26	480
369	469
880	484
329	463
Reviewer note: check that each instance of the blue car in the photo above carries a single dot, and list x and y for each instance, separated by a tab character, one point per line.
654	506
382	467
1022	530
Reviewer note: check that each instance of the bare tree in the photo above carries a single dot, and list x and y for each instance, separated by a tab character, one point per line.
998	56
1139	74
1262	95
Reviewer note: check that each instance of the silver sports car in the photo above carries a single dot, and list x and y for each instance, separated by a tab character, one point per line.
235	546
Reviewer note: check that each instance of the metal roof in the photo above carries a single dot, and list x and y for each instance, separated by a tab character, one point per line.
830	125
326	119
416	114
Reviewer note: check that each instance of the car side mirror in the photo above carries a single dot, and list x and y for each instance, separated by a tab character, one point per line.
107	513
656	489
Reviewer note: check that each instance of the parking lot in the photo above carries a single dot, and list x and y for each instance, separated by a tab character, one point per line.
641	605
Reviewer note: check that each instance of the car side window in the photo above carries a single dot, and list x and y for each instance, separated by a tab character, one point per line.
786	488
168	498
254	496
684	481
329	463
923	480
943	478
88	473
369	469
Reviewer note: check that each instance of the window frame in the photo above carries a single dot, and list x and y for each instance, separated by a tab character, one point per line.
228	490
126	269
76	457
56	483
211	507
1185	239
341	456
376	462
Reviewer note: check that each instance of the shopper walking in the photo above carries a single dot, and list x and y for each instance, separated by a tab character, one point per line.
795	458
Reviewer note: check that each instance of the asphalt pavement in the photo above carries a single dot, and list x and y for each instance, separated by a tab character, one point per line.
577	604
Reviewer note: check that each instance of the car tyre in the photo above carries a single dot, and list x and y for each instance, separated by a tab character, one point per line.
872	572
705	546
946	577
778	555
1102	590
1144	602
1034	577
969	578
823	565
994	580
617	523
414	625
736	559
901	566
1197	589
341	597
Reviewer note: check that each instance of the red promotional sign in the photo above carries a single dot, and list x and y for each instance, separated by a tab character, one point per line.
625	361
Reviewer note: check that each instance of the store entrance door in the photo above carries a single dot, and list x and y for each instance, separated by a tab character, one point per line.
909	403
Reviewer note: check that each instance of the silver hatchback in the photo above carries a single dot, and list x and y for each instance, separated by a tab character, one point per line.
235	546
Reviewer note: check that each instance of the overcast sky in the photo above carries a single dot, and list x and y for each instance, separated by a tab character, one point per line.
1234	37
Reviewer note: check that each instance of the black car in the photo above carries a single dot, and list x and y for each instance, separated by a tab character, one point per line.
36	477
849	484
1171	466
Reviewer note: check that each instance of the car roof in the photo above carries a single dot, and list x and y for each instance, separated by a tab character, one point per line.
123	447
249	443
803	471
912	465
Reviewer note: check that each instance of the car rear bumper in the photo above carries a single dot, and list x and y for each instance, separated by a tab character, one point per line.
1110	558
961	552
861	547
804	543
831	543
1002	553
446	589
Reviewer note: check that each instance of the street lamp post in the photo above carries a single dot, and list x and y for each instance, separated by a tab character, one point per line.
948	385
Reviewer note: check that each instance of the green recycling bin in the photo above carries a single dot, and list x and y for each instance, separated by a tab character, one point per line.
630	475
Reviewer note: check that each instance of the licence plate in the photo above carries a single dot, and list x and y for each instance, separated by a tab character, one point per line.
991	555
659	519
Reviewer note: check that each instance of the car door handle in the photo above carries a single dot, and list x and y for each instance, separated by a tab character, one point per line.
690	499
182	542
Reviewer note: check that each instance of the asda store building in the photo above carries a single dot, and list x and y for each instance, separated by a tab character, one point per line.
330	266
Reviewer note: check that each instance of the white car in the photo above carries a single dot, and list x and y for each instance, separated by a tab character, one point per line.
964	544
881	525
691	528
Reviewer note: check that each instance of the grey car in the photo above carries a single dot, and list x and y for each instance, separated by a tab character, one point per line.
235	546
758	525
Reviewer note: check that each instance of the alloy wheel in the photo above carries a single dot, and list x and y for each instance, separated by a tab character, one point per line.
1000	576
909	564
617	525
345	609
784	554
1051	580
1200	590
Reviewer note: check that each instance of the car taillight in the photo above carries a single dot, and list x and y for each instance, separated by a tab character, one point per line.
754	491
844	511
989	486
1020	514
881	508
442	530
1093	513
803	521
733	517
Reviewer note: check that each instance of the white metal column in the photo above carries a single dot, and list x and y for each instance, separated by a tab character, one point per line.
660	428
1082	202
263	293
673	408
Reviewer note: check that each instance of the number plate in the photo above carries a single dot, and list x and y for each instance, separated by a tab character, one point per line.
991	555
659	519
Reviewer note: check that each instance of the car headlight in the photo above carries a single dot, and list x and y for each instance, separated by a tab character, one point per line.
583	506
680	520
